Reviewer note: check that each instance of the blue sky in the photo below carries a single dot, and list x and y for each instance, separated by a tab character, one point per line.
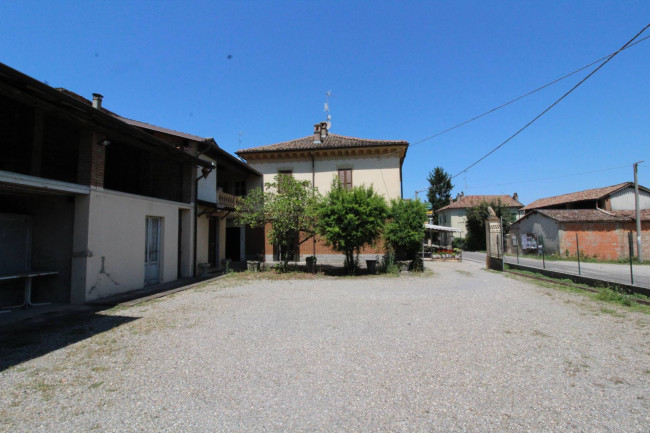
397	70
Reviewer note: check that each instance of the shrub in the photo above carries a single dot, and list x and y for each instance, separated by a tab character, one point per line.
405	229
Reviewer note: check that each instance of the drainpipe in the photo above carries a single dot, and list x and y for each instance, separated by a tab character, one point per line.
205	172
313	192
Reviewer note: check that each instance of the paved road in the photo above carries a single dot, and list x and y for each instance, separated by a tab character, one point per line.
460	349
616	273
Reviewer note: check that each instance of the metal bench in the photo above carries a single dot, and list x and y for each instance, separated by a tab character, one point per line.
27	301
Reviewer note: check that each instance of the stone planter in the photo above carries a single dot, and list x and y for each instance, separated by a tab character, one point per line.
372	266
253	266
404	265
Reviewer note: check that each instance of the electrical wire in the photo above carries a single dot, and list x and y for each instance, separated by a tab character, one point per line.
610	57
557	80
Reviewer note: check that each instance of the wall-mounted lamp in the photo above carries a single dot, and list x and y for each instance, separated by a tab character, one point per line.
105	142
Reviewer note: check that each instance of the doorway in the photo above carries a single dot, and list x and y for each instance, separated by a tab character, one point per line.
152	251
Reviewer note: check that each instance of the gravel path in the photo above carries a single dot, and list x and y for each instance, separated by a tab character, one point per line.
463	349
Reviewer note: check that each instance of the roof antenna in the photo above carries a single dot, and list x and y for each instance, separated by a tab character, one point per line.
327	109
239	138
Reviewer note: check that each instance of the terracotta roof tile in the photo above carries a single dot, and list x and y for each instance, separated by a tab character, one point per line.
332	141
590	194
589	215
473	200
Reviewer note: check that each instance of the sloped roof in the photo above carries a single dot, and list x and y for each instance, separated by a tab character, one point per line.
165	130
474	200
589	215
589	194
332	141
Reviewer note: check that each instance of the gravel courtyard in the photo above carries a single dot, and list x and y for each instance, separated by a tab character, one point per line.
460	349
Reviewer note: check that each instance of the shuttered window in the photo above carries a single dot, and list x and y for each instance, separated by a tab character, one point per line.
345	177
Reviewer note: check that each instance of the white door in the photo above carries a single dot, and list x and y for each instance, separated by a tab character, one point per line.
152	251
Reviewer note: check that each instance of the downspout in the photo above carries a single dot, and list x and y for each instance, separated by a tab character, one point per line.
313	192
205	172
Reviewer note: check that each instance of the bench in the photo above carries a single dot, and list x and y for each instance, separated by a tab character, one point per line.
27	301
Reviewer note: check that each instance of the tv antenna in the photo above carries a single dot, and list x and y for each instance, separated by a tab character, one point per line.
327	109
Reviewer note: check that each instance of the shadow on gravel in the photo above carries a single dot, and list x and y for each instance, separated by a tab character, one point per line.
26	344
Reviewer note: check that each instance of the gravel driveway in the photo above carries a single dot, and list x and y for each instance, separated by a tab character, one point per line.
462	349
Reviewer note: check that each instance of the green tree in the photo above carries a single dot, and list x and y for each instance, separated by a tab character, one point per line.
288	205
405	228
475	222
440	187
349	219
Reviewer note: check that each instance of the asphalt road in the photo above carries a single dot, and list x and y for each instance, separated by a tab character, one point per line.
615	273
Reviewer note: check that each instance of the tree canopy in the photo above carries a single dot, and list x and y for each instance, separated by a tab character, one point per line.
440	187
349	219
405	228
288	205
475	222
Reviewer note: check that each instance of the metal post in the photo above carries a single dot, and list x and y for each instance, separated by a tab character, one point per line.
517	248
639	255
630	241
501	242
541	242
578	253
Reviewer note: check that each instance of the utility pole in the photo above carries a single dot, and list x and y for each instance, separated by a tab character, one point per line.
639	256
420	190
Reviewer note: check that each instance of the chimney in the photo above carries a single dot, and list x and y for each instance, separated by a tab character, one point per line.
323	131
515	196
317	132
97	101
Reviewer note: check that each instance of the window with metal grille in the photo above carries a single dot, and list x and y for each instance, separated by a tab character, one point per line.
345	177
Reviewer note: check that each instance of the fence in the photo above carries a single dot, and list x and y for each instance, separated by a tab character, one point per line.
609	259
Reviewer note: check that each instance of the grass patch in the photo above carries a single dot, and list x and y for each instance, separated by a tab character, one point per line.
612	294
467	274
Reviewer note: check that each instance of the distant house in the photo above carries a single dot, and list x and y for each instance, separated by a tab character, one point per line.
455	213
323	156
615	197
98	205
598	220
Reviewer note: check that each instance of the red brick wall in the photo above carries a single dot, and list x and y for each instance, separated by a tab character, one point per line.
307	247
608	241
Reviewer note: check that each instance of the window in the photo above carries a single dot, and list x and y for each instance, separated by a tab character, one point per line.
239	188
345	177
286	172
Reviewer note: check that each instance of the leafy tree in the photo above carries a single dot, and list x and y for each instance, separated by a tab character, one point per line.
349	219
288	205
440	187
475	223
405	229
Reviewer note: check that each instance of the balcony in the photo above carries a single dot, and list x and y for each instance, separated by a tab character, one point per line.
227	201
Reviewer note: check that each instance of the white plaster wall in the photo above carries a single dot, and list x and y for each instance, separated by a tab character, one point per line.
207	188
202	240
382	173
456	218
116	233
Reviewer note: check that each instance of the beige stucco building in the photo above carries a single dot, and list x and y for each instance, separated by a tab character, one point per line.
322	157
454	215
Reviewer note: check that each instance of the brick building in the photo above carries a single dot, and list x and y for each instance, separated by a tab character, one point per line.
321	157
601	218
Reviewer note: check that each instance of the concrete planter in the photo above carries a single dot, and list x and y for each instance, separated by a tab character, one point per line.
372	266
404	265
253	265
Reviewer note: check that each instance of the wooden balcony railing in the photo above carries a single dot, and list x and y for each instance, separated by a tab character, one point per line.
228	201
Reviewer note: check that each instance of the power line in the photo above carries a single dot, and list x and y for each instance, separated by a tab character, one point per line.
526	94
552	177
554	103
